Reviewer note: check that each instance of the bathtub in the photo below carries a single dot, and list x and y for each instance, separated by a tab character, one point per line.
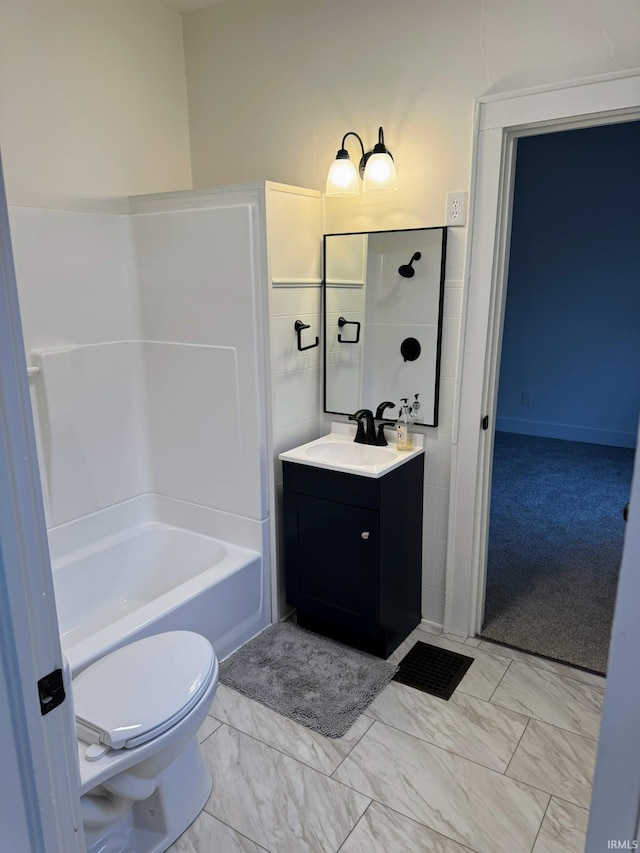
145	576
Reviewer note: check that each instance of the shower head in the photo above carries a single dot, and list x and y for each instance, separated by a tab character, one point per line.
407	270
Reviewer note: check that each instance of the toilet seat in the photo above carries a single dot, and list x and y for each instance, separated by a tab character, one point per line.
141	690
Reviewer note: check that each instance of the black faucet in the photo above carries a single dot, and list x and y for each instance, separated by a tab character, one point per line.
364	435
380	439
380	410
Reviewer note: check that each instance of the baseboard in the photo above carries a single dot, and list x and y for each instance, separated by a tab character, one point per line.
610	437
432	624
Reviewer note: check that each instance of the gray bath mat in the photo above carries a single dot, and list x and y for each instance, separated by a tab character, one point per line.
313	680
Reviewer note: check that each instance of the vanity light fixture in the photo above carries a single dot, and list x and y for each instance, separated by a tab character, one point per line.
377	170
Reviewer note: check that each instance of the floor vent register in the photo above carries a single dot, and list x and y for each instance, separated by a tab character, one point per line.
432	669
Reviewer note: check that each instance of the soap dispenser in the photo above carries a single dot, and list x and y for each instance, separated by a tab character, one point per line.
404	428
416	414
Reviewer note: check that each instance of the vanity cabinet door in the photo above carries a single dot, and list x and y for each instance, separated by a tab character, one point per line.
353	553
332	561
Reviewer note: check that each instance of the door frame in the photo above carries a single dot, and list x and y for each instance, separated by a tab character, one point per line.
44	785
498	123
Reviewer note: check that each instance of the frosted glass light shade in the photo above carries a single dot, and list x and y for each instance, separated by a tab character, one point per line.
380	174
343	178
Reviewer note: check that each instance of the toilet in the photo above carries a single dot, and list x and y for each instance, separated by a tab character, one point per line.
137	713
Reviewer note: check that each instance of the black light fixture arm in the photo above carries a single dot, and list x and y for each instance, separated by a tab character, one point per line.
343	154
378	148
344	139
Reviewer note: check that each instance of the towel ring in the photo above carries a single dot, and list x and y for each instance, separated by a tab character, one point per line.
299	326
342	322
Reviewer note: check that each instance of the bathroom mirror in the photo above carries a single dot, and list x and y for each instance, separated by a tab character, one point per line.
383	296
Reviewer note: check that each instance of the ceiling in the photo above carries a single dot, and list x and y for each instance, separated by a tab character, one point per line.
190	5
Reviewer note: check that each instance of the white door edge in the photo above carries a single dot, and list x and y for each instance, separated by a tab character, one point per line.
46	745
615	799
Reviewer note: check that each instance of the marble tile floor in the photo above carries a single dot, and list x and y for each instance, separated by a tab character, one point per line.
505	765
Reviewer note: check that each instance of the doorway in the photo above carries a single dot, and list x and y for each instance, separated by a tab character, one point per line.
568	394
500	121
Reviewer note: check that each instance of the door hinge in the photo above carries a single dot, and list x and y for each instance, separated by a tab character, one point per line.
51	691
485	422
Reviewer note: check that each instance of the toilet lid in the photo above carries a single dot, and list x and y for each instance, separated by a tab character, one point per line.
139	691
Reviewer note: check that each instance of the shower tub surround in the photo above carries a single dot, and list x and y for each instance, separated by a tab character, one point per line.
146	320
151	565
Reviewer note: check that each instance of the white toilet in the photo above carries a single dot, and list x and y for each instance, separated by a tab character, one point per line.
138	711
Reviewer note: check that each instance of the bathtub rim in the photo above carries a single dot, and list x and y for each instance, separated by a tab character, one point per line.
126	629
250	550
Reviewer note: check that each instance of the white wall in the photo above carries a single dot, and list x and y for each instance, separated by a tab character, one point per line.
92	97
273	85
438	441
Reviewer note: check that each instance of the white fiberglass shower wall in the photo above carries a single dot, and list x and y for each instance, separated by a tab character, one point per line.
145	318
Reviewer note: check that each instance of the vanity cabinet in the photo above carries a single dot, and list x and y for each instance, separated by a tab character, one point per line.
353	553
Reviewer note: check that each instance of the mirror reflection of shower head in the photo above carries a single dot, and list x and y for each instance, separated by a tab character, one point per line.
407	270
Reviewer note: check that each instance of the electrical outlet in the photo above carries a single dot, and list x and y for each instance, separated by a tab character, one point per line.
525	398
456	213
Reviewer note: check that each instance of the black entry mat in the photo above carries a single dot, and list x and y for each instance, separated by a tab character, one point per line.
432	669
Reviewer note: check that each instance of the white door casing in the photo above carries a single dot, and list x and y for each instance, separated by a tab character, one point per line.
498	122
39	789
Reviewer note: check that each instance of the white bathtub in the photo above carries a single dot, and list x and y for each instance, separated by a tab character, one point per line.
149	577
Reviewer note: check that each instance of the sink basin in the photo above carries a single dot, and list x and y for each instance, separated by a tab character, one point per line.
338	452
350	453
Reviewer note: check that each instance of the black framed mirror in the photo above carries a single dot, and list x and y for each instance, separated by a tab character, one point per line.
383	294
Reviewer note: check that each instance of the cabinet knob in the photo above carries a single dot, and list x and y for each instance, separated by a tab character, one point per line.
365	534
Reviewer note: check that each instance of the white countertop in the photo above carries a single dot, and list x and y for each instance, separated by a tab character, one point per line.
338	451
